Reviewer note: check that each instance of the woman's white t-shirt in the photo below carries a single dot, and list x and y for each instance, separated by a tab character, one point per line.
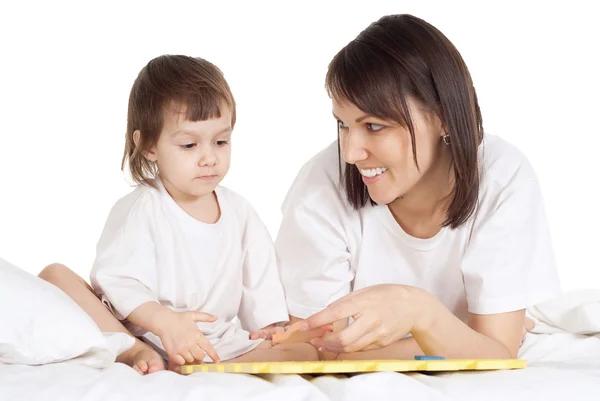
500	260
151	250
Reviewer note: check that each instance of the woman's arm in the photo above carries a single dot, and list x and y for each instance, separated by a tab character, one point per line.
406	348
384	314
486	336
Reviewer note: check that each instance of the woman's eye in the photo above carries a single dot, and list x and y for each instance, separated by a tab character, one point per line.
188	146
374	127
221	143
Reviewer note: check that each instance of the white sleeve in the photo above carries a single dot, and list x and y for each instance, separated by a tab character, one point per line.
263	300
125	269
509	262
312	250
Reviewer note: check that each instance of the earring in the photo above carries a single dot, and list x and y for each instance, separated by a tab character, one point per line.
446	139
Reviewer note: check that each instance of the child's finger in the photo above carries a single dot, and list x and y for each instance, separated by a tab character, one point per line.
188	356
197	353
209	349
177	359
203	317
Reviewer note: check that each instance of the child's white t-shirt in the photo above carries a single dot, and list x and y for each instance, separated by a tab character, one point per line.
501	260
151	250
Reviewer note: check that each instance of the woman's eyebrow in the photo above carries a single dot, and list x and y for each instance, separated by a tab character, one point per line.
359	119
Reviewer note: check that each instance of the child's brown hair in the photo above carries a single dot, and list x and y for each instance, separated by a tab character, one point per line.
193	83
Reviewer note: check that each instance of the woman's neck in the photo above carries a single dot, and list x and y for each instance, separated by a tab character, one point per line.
422	211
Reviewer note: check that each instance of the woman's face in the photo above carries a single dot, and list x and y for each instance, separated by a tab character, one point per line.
382	150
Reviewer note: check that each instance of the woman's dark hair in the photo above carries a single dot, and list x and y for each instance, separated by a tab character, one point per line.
401	57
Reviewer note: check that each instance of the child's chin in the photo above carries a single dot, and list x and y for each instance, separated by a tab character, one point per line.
205	190
201	194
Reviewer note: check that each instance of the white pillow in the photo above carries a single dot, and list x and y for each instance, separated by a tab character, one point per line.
576	312
40	324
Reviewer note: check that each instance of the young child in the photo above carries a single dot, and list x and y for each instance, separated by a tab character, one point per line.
181	257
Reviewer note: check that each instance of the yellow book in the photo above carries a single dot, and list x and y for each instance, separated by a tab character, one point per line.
332	367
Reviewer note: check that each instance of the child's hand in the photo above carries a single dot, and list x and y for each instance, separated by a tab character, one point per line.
182	339
266	333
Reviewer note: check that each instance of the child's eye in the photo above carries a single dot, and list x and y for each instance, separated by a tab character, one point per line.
221	143
188	146
341	125
374	127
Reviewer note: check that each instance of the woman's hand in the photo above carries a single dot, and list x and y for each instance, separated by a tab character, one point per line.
383	314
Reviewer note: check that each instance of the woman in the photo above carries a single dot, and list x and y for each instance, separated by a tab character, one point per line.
428	234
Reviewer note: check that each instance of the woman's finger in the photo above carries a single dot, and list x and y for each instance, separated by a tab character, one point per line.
367	342
341	341
373	346
343	308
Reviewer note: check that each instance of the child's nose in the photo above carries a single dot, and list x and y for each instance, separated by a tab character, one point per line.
208	157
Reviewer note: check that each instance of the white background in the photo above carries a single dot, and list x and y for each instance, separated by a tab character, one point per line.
67	69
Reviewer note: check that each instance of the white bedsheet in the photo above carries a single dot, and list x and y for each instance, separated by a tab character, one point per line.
562	365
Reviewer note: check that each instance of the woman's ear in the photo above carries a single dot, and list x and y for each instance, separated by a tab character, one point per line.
148	154
435	123
440	126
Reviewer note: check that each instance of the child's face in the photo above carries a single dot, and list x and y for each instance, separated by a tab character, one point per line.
193	157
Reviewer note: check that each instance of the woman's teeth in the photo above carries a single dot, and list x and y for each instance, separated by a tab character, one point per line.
370	173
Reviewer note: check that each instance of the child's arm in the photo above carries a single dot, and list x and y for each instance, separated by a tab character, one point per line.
180	336
125	268
126	272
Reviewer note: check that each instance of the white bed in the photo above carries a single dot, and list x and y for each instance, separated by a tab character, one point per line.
569	367
74	361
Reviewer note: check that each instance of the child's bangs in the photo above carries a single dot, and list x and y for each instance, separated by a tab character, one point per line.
198	107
